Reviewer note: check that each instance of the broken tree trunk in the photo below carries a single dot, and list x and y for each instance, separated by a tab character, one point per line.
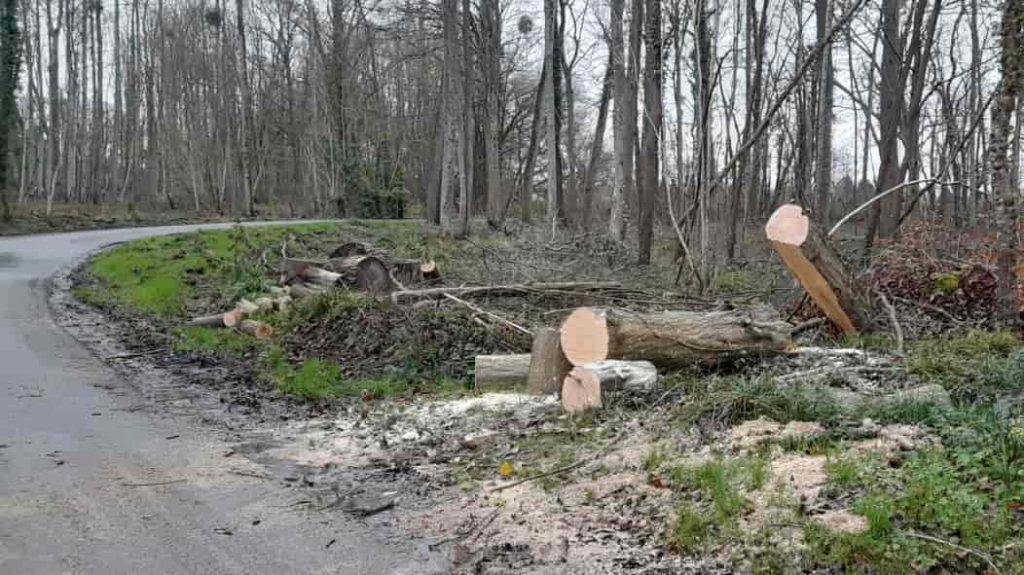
548	365
584	387
257	329
365	272
501	371
818	268
672	338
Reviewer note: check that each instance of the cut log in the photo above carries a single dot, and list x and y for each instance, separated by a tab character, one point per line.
620	375
247	307
351	249
501	371
364	272
581	391
301	290
294	269
265	304
548	365
513	289
233	318
584	387
672	338
257	329
818	268
429	270
215	320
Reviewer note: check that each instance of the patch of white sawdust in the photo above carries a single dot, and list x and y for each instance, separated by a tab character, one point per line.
898	437
754	433
843	521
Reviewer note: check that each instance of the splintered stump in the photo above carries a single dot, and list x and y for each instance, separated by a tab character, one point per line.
501	371
671	338
548	365
818	268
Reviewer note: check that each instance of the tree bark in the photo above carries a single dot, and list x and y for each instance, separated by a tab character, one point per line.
548	365
671	338
649	169
1011	87
494	372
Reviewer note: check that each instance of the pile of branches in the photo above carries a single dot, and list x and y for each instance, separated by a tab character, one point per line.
944	277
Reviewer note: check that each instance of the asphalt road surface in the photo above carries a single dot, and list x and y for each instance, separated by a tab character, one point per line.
88	485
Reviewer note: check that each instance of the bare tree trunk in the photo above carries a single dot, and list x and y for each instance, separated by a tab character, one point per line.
623	137
596	149
467	141
649	168
886	212
1007	310
823	157
490	24
529	165
552	55
450	99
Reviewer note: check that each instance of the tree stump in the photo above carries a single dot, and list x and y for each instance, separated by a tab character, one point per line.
548	365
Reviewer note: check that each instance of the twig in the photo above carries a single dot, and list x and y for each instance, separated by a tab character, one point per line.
929	307
809	324
558	471
491	315
154	483
896	328
968	550
561	470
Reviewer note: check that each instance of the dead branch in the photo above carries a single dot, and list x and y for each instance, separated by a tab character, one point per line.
509	324
511	289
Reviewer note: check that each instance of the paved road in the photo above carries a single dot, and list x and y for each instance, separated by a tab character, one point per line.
77	468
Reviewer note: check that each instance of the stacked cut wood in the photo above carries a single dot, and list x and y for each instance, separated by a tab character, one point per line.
353	265
239	317
819	269
600	350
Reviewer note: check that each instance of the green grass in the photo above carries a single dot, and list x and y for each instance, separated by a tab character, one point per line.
219	342
158	276
976	366
734	399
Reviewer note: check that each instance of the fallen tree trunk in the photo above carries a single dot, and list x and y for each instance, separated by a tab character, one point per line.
257	329
513	289
819	269
621	375
548	365
501	371
671	338
584	387
301	290
365	272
